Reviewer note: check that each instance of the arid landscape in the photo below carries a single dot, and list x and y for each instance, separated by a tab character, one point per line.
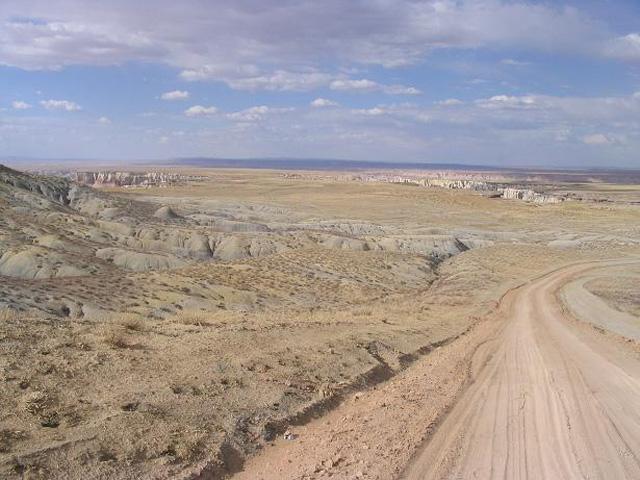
320	240
204	323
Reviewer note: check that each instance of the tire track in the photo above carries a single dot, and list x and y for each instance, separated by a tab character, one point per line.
547	403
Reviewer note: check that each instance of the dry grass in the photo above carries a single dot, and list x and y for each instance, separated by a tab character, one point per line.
117	329
11	315
130	321
195	317
116	336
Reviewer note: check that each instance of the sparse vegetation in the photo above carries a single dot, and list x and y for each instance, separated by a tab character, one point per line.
116	336
131	321
162	369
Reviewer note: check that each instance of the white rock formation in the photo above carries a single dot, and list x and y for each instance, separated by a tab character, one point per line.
126	179
530	196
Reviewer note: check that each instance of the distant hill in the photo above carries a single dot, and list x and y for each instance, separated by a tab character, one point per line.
321	164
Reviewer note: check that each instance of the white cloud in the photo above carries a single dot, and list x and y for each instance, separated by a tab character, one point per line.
200	111
218	71
625	48
65	105
323	102
514	63
287	47
281	81
506	101
250	77
400	90
255	114
362	85
19	105
104	121
175	95
250	114
374	112
54	44
450	102
366	85
596	139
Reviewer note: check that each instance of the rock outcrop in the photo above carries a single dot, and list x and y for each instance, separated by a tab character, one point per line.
530	196
130	179
501	189
165	213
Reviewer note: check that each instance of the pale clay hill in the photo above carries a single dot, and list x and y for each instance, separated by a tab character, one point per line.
55	228
175	332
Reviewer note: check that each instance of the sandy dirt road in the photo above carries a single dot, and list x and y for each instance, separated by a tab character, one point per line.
549	400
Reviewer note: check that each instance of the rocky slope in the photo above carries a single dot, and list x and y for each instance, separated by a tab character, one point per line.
51	188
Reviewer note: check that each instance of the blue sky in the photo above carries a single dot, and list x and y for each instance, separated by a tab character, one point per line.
487	82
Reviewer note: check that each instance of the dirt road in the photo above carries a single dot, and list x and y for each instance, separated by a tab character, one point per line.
549	400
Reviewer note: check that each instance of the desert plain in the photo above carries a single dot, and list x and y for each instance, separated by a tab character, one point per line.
259	324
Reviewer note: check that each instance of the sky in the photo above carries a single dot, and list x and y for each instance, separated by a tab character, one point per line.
507	83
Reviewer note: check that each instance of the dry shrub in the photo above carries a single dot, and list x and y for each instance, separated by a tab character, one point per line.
130	321
115	336
116	329
194	317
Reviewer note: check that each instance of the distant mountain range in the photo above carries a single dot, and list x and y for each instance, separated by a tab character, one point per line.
320	164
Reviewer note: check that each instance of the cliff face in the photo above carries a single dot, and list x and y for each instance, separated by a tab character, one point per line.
510	193
530	196
124	179
456	184
459	184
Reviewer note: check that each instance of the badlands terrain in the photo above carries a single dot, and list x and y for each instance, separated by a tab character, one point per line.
213	323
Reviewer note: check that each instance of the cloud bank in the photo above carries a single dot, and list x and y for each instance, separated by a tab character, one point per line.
286	45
